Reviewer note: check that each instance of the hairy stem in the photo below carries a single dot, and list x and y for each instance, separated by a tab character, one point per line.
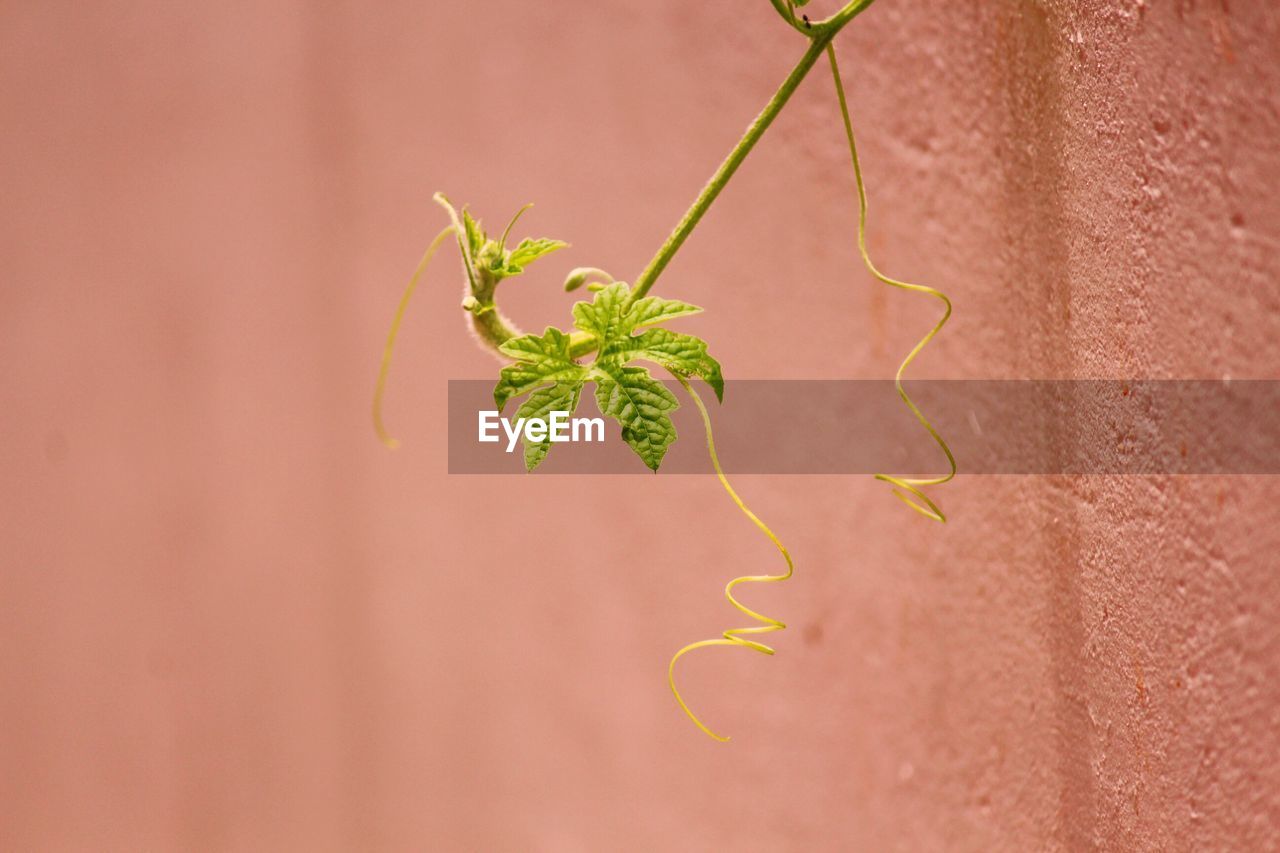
491	326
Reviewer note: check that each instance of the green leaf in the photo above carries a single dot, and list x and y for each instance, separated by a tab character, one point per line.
529	251
627	393
540	360
561	397
460	231
677	352
641	405
609	316
552	343
602	318
649	310
475	234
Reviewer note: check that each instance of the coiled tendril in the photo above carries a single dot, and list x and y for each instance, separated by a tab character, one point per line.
907	489
733	636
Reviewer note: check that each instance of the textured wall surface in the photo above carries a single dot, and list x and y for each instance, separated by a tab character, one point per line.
230	620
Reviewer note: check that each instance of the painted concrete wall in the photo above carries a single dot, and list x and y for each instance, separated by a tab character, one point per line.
230	620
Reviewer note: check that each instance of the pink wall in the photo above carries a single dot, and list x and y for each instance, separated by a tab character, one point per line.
230	620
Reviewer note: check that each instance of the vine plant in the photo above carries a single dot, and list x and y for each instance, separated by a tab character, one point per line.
621	328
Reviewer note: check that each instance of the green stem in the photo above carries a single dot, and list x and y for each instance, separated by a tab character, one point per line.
493	328
730	165
820	35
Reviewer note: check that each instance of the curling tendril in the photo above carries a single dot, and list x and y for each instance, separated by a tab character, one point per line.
733	636
906	488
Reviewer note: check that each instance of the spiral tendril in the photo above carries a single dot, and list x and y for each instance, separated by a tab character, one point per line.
733	636
907	489
379	389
